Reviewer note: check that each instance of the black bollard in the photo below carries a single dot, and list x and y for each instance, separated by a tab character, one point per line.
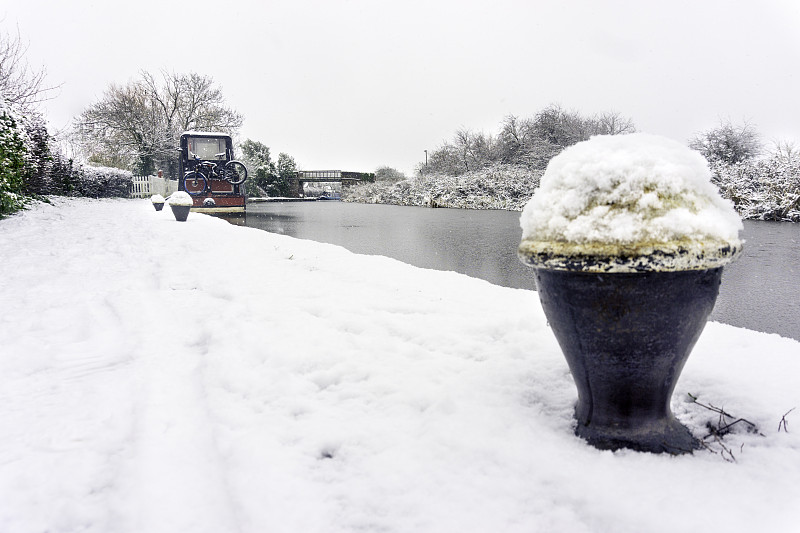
626	338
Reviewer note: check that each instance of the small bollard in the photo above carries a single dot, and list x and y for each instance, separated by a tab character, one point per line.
158	201
181	203
627	238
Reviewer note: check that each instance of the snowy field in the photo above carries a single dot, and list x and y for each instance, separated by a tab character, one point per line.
199	377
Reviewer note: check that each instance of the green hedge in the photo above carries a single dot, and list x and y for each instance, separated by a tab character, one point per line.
13	158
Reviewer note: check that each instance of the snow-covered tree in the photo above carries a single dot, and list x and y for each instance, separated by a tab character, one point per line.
390	174
563	128
786	151
729	143
24	139
286	166
137	125
260	169
529	142
13	159
519	143
613	123
560	127
444	159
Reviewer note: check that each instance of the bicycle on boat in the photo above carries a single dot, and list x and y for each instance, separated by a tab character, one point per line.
197	181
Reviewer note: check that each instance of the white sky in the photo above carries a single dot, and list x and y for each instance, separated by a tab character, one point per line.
354	85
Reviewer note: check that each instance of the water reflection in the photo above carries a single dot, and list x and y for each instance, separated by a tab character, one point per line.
759	290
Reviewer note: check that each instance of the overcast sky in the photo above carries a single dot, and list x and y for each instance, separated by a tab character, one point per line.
354	85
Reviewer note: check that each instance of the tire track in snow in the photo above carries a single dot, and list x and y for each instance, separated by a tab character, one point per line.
176	473
115	404
65	380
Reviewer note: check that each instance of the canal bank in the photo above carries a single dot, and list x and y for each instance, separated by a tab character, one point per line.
167	376
760	290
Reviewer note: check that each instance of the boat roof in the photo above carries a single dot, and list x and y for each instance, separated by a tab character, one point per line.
194	133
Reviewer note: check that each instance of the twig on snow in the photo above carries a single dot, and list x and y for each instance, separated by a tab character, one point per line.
723	426
783	424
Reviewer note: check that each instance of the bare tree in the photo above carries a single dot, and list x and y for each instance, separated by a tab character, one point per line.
613	123
515	136
728	143
528	142
464	140
137	125
786	151
20	85
390	174
190	101
475	150
563	128
445	160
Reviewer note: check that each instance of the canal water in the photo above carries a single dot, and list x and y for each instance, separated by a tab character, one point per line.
760	290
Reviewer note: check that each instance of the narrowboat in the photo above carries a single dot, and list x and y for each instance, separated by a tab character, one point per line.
210	174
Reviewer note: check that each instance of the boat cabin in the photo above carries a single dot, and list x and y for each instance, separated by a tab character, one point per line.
215	195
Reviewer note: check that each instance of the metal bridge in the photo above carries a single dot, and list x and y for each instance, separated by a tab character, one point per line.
327	176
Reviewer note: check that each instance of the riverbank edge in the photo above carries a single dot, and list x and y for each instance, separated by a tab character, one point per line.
408	194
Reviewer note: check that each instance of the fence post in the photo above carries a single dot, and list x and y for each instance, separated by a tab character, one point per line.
141	187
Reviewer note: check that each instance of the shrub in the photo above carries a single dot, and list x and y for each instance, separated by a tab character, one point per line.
100	182
766	189
494	187
13	160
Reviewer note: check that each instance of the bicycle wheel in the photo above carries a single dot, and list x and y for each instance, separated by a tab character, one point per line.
235	172
195	183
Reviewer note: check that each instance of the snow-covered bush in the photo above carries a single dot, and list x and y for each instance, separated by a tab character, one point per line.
13	159
30	166
494	187
39	160
766	189
100	182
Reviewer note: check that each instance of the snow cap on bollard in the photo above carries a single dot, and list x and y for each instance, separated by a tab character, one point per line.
158	201
180	198
628	203
181	203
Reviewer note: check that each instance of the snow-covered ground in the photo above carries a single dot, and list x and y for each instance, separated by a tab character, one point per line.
159	376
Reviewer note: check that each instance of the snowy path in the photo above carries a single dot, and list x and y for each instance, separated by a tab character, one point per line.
158	376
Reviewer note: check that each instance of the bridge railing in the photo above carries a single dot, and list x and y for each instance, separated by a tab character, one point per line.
334	175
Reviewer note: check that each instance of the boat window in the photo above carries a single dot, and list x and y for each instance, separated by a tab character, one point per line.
206	148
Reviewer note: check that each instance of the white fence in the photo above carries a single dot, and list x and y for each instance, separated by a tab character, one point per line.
146	186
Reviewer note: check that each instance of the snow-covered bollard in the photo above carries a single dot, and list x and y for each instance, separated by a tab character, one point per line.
627	238
180	202
158	201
